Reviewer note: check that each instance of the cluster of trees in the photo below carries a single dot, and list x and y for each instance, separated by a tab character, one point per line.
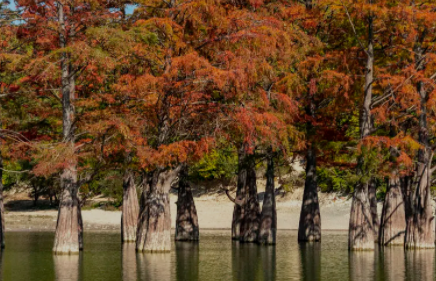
87	88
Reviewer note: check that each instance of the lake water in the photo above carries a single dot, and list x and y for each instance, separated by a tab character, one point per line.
28	257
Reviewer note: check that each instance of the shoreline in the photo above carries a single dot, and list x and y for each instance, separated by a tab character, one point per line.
214	211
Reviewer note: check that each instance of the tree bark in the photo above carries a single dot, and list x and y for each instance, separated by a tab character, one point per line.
309	229
154	223
130	209
246	215
372	191
268	220
420	228
187	220
68	229
361	230
2	208
393	221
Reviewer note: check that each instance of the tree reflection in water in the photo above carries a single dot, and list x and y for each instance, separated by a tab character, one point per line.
310	254
187	261
67	267
129	262
361	265
420	264
253	262
154	266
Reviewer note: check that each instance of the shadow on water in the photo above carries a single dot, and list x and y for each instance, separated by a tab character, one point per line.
187	261
420	265
253	262
154	266
310	254
67	267
129	262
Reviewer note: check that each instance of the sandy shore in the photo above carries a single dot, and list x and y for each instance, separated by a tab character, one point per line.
214	212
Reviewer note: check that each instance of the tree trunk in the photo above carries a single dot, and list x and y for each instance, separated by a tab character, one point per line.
246	214
361	230
420	228
372	190
68	228
67	240
2	208
187	219
268	220
154	223
130	209
393	221
309	229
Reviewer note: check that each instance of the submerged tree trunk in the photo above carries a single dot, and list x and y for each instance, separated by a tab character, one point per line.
246	215
68	230
268	220
309	229
361	230
2	208
420	228
130	209
154	223
393	221
372	191
68	235
187	219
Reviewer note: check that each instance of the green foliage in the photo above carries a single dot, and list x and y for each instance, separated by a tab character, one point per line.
219	164
335	179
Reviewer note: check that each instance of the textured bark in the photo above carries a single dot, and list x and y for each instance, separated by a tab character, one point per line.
129	262
187	220
154	223
420	227
372	191
309	229
68	230
130	209
246	216
268	219
393	221
2	208
361	230
68	236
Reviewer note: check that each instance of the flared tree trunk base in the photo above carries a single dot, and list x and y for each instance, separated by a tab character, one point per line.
154	225
130	210
268	218
187	220
309	229
360	233
67	231
419	234
251	221
393	221
69	227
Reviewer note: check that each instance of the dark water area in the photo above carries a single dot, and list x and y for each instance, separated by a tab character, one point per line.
28	257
